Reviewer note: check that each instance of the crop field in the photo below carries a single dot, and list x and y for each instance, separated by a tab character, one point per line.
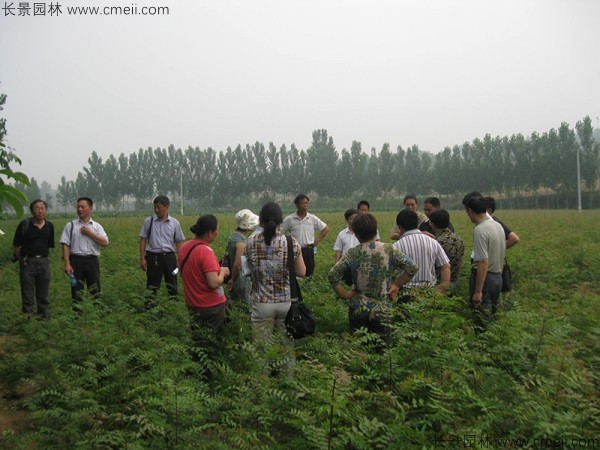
119	377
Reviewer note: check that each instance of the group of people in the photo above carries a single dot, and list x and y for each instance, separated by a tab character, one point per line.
367	274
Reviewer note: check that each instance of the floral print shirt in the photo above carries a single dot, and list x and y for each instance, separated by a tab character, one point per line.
373	266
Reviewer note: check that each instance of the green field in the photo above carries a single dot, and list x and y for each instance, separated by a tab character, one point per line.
120	377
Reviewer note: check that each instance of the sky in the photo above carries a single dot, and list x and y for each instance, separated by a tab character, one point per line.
434	73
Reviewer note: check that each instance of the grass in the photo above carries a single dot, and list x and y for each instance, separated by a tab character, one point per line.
120	378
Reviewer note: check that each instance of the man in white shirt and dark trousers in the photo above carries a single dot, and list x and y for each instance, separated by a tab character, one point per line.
302	226
81	240
161	237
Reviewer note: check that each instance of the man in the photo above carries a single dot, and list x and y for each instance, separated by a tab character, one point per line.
453	245
426	252
431	204
410	204
346	239
489	247
161	238
512	239
364	207
81	240
33	239
302	226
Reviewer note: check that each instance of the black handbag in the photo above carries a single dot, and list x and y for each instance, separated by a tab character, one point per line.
299	320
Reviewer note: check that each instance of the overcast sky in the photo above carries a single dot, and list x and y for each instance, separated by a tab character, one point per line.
221	73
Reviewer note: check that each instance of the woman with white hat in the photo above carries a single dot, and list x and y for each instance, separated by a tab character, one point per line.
240	285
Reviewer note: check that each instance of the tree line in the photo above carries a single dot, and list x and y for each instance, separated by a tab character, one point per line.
535	167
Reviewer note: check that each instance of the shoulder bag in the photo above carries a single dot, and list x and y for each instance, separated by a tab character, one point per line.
299	321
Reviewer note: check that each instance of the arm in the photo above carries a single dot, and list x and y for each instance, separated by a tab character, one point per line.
214	279
299	266
338	255
482	268
512	240
88	231
322	235
402	279
444	278
342	292
66	252
143	262
236	268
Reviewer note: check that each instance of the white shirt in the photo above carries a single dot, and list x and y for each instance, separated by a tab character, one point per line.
303	229
345	240
81	244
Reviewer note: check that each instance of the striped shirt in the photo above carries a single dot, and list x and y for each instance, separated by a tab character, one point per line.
81	244
426	252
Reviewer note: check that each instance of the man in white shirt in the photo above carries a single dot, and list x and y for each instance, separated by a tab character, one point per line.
302	226
81	240
346	238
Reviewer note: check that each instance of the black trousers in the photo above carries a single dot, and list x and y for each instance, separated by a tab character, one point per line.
308	255
159	266
86	270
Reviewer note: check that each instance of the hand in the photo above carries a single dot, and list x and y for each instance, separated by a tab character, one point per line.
477	298
225	272
144	264
87	230
68	269
393	291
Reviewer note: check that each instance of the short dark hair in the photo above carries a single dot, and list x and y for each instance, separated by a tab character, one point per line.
410	197
204	224
37	200
477	204
491	203
440	218
162	199
299	198
365	227
433	201
407	220
469	196
350	212
363	202
86	199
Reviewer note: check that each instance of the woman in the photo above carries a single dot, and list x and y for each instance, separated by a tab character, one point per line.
203	276
267	254
240	285
378	272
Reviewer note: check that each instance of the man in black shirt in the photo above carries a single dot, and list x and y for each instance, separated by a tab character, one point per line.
33	239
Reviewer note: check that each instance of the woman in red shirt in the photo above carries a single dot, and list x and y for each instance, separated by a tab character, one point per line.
203	276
